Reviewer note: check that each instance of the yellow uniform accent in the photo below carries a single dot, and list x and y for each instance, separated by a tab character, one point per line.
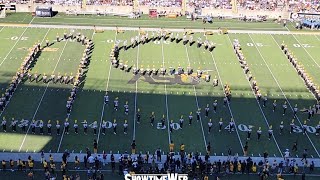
182	147
171	147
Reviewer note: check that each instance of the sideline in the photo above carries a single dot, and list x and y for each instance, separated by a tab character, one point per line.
37	157
155	29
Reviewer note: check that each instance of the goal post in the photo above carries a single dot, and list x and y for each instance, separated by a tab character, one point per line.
135	7
2	13
234	6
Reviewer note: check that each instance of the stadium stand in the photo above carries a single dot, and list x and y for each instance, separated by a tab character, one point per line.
310	6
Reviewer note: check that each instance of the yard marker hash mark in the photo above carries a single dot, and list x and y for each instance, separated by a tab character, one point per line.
306	51
284	93
166	95
230	111
14	45
197	102
43	94
262	112
1	31
68	116
0	65
136	95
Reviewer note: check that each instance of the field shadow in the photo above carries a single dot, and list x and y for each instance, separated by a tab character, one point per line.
89	97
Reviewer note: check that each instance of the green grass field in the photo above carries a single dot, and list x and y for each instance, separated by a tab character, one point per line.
170	96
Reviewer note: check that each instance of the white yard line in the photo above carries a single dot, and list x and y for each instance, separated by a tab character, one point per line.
291	65
35	113
2	28
317	37
283	93
135	96
308	90
16	42
173	28
24	18
287	29
154	26
13	46
264	116
107	87
32	20
220	80
291	25
12	95
166	94
197	102
62	135
306	51
68	116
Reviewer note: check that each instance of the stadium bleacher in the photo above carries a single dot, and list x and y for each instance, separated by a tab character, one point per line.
295	6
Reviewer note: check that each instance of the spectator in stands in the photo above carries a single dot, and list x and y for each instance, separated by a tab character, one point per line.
272	5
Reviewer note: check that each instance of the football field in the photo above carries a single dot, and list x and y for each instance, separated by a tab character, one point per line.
169	96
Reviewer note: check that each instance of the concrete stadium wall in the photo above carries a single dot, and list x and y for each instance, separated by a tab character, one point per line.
145	10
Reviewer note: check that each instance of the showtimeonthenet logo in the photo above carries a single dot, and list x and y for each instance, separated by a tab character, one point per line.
169	176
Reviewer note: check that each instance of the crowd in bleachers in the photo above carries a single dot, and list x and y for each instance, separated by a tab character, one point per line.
308	6
14	1
195	166
293	5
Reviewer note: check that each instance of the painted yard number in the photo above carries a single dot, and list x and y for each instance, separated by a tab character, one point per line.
176	126
252	44
164	42
14	38
302	45
241	127
111	41
294	45
109	125
296	129
21	123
